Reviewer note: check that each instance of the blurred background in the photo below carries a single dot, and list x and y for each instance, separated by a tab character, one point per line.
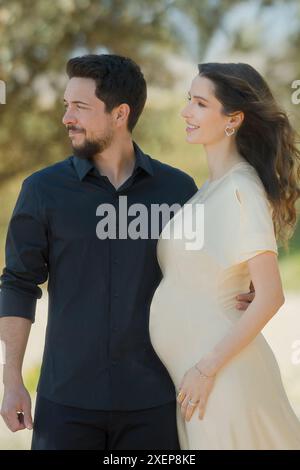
167	38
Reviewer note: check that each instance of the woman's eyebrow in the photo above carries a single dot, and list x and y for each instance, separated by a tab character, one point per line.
199	97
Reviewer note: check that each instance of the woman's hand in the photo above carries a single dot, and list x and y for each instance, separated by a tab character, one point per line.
194	391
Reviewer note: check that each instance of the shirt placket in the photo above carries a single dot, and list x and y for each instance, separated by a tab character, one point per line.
114	290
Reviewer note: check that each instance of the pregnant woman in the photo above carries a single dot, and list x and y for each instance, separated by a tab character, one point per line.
230	391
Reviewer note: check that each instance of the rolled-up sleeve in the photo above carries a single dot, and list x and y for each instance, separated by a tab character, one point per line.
26	255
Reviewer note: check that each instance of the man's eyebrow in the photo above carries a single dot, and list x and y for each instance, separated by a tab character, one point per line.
77	102
199	97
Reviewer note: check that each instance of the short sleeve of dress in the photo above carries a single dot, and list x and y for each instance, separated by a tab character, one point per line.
238	221
255	231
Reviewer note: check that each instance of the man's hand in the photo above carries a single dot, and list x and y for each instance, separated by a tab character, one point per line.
16	408
244	300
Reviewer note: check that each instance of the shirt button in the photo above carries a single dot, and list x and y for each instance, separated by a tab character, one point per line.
116	295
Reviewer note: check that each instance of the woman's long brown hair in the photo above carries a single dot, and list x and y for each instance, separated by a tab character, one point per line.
266	138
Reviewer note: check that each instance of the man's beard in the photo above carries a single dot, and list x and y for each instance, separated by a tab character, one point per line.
90	148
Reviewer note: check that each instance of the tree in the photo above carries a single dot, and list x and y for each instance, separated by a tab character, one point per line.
38	37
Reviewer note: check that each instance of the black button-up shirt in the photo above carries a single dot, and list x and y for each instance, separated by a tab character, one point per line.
98	353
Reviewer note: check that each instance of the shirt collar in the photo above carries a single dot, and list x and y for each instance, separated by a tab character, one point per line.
84	166
142	160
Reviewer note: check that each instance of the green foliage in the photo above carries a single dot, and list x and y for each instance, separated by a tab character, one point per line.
161	132
31	378
34	50
38	37
290	271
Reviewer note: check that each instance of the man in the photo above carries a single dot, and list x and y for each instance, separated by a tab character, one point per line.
102	386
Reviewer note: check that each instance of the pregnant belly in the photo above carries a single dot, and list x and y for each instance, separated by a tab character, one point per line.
183	326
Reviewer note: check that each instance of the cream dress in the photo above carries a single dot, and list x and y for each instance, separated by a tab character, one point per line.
194	307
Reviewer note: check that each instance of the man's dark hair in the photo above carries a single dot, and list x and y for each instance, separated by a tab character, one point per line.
118	80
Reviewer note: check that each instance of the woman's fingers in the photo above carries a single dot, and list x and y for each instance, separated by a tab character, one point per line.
181	396
184	406
242	306
191	407
201	408
183	400
246	298
188	406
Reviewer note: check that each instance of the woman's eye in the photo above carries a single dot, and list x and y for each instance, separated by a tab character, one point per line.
202	105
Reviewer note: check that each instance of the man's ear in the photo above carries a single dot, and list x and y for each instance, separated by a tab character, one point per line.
121	114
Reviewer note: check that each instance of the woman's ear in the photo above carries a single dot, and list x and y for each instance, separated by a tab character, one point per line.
236	119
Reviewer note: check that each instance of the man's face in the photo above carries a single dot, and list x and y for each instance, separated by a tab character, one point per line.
90	127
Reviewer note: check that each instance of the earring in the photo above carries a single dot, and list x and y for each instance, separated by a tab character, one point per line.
230	131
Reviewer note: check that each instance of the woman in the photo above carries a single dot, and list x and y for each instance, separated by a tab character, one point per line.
230	390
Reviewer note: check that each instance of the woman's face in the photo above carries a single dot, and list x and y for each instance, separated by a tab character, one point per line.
203	114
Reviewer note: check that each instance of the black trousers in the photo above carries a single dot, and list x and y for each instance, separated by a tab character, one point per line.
59	427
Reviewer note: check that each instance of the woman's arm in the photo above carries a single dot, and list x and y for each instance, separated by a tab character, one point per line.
196	387
268	299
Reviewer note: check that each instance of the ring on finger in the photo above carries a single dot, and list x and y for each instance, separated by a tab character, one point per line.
193	403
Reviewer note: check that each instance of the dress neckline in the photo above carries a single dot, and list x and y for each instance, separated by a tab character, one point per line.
236	165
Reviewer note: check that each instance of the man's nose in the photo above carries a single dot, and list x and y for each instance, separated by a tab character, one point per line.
68	118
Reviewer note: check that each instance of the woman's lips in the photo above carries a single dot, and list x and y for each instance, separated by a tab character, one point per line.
190	129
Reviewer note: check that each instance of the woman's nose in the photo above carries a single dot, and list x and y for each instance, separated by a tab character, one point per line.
185	112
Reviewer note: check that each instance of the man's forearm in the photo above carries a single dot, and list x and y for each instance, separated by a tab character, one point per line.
14	333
